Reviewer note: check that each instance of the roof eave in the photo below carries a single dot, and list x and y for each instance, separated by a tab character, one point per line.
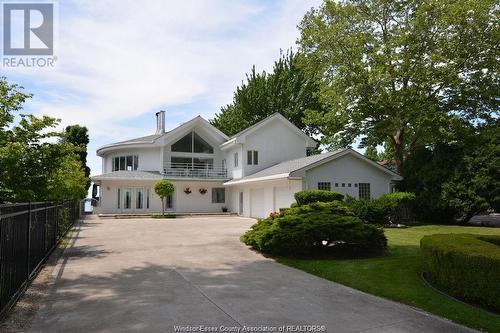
258	179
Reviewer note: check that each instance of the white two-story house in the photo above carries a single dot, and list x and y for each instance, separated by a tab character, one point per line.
253	173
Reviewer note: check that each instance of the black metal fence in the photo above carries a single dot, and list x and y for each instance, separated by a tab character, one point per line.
29	232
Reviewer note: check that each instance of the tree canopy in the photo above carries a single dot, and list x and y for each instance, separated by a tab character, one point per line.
287	90
78	136
457	179
32	166
401	72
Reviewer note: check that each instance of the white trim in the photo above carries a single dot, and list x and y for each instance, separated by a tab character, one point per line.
301	171
240	137
258	179
152	143
93	178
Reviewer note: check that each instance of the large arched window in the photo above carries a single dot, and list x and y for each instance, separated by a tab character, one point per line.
192	143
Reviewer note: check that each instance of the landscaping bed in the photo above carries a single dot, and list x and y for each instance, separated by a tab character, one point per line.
397	276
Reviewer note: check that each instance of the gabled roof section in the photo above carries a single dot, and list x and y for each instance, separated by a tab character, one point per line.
151	139
240	137
193	122
295	168
339	153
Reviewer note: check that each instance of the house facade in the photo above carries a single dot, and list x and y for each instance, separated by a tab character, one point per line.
253	173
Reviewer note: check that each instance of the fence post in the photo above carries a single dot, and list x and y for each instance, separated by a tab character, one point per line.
46	228
29	242
56	218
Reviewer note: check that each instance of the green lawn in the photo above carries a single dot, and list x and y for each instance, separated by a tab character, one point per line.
396	276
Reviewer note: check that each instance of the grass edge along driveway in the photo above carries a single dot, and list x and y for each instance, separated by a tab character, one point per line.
397	276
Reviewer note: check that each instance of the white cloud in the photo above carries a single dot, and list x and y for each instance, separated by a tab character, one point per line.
121	59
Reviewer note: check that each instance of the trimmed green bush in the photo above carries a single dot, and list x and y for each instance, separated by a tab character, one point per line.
315	228
310	196
390	207
466	266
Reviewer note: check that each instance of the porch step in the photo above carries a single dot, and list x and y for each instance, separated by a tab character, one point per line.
135	216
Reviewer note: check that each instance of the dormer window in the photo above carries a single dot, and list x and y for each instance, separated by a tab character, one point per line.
125	163
192	143
252	157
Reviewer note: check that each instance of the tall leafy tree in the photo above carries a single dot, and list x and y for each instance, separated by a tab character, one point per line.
78	136
32	166
457	179
402	72
287	89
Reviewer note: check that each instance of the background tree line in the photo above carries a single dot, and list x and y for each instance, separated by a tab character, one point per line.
417	79
38	163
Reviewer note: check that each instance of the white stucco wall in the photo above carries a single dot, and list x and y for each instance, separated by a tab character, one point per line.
149	158
347	170
193	202
109	195
232	170
275	143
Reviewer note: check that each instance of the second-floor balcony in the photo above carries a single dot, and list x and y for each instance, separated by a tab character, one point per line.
195	170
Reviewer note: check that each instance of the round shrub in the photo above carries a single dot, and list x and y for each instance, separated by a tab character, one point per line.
314	228
466	266
310	196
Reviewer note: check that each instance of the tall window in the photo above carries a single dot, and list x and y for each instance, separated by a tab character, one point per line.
118	202
128	199
192	143
218	195
169	201
327	186
364	190
139	199
235	160
126	163
252	157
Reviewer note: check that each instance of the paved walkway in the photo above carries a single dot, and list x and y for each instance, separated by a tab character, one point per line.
150	275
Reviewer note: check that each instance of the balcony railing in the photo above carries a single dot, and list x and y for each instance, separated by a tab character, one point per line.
195	170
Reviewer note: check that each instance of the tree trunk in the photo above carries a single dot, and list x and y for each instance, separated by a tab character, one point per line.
162	207
397	140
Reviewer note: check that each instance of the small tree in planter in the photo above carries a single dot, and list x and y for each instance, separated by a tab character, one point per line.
164	188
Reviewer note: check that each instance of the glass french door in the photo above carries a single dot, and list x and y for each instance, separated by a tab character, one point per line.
139	198
133	199
127	199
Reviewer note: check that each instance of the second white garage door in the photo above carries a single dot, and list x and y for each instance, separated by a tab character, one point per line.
283	197
257	208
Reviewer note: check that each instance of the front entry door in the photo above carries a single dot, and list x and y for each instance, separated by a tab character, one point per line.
240	208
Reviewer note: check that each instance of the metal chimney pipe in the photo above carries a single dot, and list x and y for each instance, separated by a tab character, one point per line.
160	122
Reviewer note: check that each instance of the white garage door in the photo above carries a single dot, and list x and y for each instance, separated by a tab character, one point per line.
257	208
283	196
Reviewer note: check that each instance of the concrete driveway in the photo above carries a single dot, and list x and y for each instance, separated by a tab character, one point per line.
150	275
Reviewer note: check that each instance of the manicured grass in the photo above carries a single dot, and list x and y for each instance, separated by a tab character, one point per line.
397	276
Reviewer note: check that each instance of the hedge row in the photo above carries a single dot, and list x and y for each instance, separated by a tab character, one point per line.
466	266
306	197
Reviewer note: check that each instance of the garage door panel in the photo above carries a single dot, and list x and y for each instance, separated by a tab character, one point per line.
257	208
283	196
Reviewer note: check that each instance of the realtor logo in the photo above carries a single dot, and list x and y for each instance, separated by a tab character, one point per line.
28	29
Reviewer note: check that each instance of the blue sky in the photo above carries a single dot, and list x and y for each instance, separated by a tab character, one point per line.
120	61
